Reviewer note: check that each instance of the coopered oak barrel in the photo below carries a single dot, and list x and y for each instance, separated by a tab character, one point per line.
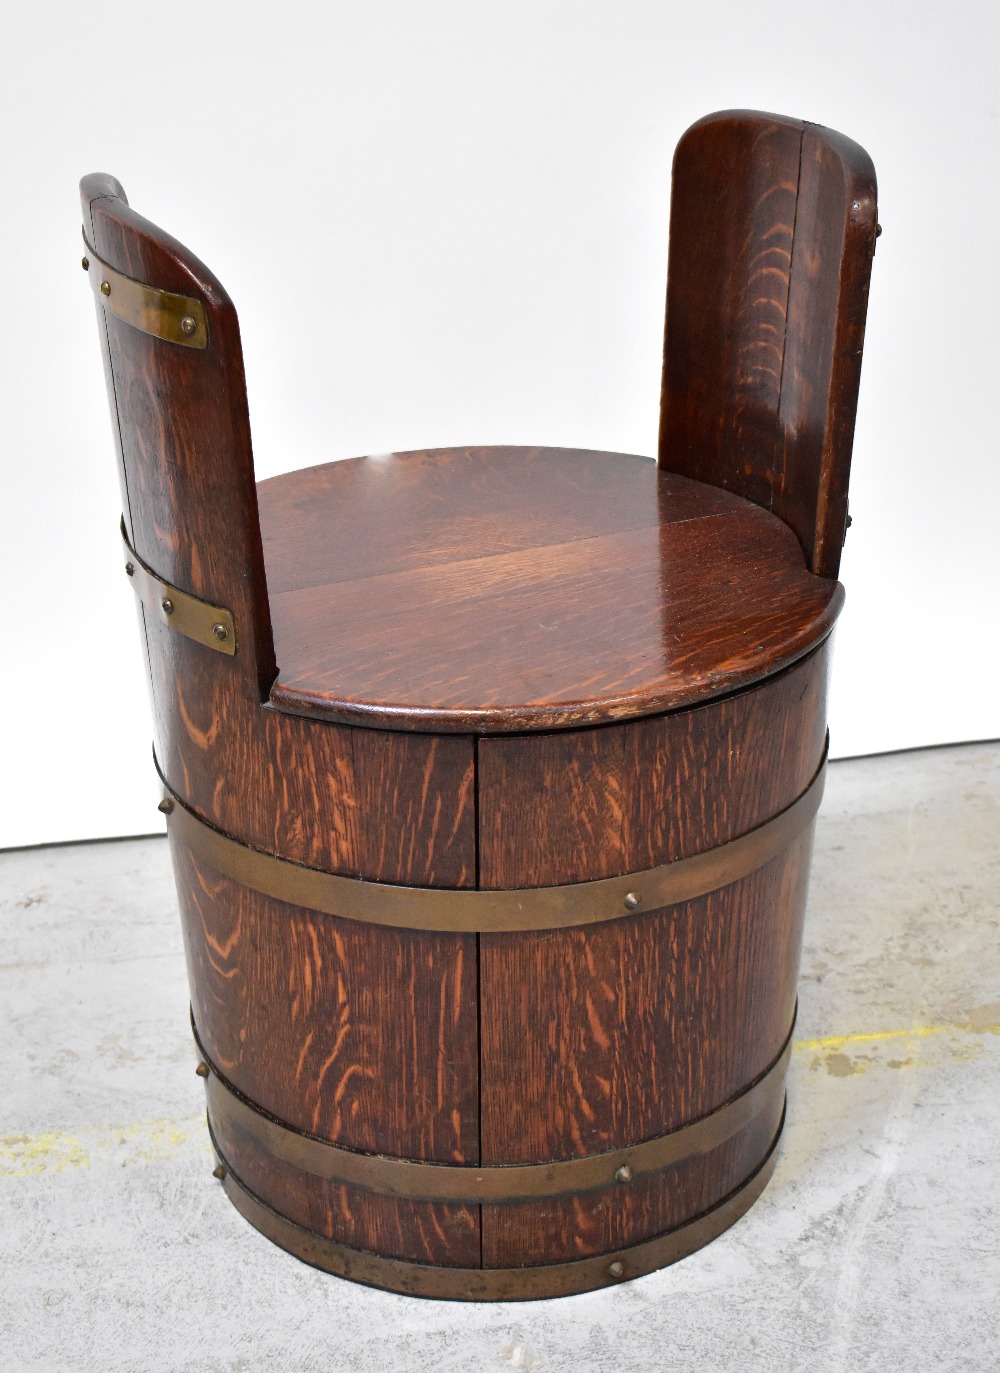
491	773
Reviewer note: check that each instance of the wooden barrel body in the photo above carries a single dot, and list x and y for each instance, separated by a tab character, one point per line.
490	773
582	1102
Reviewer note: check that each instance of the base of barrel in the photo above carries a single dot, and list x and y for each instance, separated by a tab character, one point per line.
499	1284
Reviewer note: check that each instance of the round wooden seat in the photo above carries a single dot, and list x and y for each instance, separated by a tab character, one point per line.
496	589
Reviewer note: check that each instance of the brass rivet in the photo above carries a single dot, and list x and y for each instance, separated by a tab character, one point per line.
85	264
105	288
624	1174
202	1070
130	569
616	1269
218	1172
166	805
632	901
188	326
878	230
220	632
167	606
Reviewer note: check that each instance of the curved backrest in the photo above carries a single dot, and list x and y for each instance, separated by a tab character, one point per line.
174	368
772	232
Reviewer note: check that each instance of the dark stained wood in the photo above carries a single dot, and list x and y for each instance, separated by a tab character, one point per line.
771	242
418	1231
589	587
288	1001
597	1038
366	1041
563	1228
401	512
511	667
827	307
338	1030
583	804
182	431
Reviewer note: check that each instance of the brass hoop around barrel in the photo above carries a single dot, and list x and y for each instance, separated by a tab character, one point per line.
493	912
417	1179
497	1284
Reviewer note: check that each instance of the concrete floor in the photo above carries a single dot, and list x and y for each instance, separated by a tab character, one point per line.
876	1246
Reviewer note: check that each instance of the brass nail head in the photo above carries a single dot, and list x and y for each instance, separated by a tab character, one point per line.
878	230
220	632
188	326
130	569
85	264
218	1172
166	805
202	1070
624	1174
632	901
105	288
616	1269
167	606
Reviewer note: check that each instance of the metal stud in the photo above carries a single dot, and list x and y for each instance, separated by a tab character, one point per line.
878	230
166	805
167	606
130	569
220	632
105	288
188	325
616	1269
219	1172
85	264
624	1174
202	1070
632	901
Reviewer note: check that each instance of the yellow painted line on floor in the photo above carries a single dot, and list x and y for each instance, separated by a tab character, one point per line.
149	1141
835	1042
56	1151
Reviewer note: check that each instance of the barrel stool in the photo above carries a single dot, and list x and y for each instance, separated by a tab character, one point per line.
490	774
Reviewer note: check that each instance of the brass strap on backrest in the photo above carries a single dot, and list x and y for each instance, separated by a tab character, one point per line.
164	314
492	912
208	624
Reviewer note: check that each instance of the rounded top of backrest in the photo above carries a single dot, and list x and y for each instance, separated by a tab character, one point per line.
142	250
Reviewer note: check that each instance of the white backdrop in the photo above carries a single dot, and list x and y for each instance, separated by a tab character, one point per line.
445	221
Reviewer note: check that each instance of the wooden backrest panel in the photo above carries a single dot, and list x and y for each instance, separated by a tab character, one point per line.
183	432
772	232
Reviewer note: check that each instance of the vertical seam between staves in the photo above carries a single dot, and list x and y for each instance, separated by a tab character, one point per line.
779	445
479	996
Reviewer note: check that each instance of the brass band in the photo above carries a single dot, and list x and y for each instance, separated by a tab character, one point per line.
164	314
497	1284
419	1180
196	619
494	912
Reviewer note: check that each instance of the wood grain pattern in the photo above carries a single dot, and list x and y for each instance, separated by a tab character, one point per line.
368	1041
563	1228
341	1029
512	667
583	804
592	1039
771	242
418	1231
182	431
191	512
590	587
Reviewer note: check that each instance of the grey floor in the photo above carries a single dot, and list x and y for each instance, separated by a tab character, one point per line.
876	1245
